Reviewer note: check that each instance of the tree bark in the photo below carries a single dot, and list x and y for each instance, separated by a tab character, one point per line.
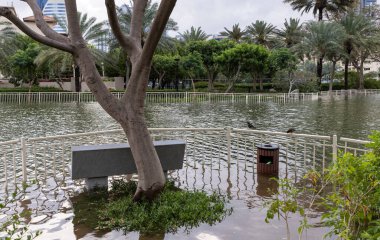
210	76
332	77
319	70
346	63
361	75
254	82
320	14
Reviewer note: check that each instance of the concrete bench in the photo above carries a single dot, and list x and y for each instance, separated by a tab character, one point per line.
96	162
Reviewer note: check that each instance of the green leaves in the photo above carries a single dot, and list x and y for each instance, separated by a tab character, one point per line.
175	208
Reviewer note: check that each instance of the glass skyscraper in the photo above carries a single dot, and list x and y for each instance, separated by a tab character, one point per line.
367	3
56	9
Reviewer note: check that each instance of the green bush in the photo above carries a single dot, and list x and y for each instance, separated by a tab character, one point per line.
173	209
33	89
354	208
371	83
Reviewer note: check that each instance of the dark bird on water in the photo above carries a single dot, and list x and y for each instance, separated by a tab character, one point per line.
250	125
291	130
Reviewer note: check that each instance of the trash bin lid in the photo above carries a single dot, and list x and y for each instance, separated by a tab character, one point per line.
267	146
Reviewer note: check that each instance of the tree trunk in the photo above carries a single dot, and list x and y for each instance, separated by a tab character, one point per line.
361	75
160	78
77	79
132	120
332	77
254	82
320	14
261	84
210	76
233	80
319	70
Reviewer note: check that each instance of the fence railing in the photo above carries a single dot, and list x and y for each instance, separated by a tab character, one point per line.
212	153
158	97
350	92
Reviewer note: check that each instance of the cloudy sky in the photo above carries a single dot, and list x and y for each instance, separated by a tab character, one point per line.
211	15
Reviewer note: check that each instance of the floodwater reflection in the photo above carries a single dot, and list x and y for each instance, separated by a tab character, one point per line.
267	185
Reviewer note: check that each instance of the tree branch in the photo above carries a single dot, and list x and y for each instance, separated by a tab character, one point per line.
42	25
8	13
85	60
73	23
131	46
158	27
137	19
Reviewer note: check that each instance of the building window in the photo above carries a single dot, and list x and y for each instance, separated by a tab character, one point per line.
367	69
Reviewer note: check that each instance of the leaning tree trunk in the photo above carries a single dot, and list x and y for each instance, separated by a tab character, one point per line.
132	120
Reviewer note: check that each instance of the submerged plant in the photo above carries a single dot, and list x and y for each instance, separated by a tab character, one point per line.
349	191
13	227
174	209
285	202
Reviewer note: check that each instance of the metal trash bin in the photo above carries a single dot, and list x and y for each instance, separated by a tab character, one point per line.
268	158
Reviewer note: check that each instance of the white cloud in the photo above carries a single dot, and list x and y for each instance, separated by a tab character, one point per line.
211	15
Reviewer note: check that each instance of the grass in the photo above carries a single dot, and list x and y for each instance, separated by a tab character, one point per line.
174	209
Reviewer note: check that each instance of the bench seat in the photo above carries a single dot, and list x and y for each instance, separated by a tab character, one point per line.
95	163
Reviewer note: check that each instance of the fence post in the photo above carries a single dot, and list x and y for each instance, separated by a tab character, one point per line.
246	99
23	159
335	148
228	136
186	97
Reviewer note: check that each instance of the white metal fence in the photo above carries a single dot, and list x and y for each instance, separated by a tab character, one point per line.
350	92
178	97
159	97
213	155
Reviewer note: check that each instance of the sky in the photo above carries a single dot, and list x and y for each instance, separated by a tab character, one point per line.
211	15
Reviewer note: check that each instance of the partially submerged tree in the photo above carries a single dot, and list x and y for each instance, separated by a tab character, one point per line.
129	110
207	51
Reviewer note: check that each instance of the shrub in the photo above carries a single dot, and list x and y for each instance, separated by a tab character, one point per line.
175	208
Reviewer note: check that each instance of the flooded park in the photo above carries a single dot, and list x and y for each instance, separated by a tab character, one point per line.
220	157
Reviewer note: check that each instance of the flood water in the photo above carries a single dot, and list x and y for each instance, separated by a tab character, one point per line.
354	117
51	205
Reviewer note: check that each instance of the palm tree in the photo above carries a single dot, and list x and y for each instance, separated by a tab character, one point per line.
292	33
320	7
319	38
195	34
8	44
360	43
236	34
124	13
60	61
7	34
359	32
261	33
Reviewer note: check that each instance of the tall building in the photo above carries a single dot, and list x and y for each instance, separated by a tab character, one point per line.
56	9
367	3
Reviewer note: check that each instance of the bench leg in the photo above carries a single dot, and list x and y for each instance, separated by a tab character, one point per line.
99	182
